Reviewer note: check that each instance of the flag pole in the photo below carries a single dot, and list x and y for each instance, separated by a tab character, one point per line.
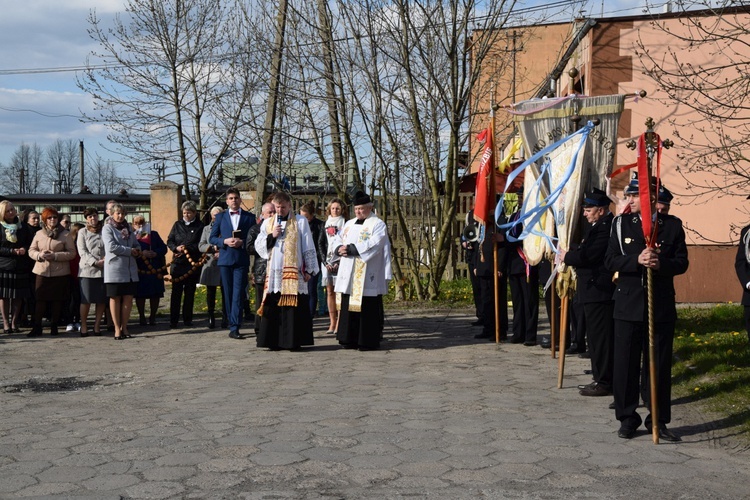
493	200
651	146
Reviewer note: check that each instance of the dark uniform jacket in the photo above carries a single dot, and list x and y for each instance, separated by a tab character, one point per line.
594	280
486	268
742	266
626	242
259	264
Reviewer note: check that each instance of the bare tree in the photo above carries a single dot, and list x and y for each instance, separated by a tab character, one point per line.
63	165
173	80
704	68
420	62
102	177
27	168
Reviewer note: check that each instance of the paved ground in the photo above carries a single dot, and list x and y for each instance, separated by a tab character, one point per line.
435	414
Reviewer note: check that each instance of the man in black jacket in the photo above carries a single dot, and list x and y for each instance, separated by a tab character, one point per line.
628	255
258	270
742	267
595	289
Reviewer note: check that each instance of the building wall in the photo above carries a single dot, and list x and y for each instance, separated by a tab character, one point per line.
710	277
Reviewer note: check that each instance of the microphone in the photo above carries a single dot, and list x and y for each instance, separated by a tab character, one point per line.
281	223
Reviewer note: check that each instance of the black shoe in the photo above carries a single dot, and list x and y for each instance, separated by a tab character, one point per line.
53	330
588	372
152	320
236	335
546	344
35	332
585	355
211	320
188	323
478	322
573	349
595	390
530	343
514	340
172	326
142	321
666	434
482	336
587	386
626	432
611	405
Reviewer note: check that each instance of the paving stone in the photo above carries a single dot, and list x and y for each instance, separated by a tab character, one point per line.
15	482
211	419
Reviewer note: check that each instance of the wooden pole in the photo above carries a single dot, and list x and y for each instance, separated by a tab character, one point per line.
563	339
491	233
652	360
553	326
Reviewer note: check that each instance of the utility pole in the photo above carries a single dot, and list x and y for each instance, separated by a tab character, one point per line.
80	159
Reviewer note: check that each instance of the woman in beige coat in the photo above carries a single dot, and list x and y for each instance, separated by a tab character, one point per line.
52	248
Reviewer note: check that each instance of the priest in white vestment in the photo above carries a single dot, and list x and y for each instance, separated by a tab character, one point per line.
286	242
362	280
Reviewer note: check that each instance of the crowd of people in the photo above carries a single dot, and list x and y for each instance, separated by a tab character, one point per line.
609	313
50	268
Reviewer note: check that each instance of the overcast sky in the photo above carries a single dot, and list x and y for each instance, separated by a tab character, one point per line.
42	107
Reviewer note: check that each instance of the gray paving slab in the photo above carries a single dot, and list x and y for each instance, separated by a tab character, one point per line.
434	413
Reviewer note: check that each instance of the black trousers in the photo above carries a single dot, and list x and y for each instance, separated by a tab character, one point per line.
186	288
631	340
578	324
487	301
747	321
525	296
601	334
476	292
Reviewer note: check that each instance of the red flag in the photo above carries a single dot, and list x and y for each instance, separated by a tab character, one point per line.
484	196
644	187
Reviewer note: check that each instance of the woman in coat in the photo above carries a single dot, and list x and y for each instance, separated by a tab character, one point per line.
120	269
52	248
90	271
151	284
210	274
15	238
183	241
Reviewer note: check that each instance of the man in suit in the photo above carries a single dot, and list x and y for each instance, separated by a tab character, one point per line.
742	267
628	255
228	235
595	288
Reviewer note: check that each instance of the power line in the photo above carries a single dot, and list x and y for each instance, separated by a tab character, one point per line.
514	14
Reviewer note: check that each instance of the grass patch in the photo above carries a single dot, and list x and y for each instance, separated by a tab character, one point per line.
712	363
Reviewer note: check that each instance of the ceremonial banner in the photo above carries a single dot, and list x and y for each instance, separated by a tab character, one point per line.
484	196
544	121
535	245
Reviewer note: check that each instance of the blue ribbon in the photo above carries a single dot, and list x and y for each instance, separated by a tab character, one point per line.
530	216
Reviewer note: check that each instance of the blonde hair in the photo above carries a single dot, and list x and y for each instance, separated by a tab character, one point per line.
4	207
216	210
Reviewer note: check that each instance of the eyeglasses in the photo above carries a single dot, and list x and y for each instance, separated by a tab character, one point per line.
52	217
